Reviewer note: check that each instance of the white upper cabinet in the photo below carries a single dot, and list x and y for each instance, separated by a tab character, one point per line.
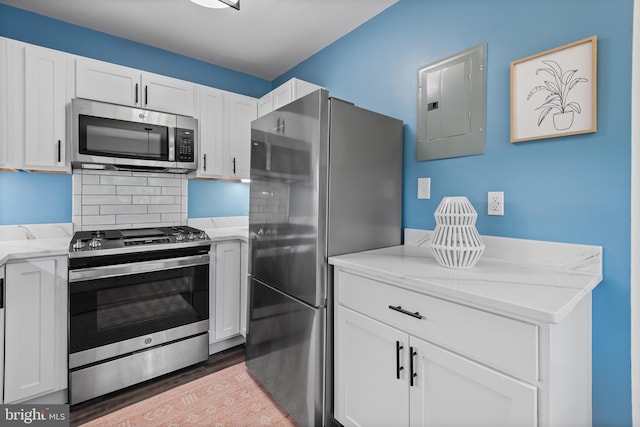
37	99
210	122
103	81
107	82
284	94
45	104
225	120
242	111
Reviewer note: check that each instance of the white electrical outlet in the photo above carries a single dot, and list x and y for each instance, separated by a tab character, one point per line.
495	201
424	188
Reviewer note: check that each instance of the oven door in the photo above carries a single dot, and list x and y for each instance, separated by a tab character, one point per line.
122	308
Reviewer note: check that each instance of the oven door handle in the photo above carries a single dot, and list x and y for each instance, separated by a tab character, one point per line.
95	273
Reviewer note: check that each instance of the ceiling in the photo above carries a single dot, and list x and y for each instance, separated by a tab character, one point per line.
265	38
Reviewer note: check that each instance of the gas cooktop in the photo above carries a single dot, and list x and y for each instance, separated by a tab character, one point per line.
104	242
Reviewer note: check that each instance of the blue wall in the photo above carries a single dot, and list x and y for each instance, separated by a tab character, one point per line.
46	198
572	189
217	198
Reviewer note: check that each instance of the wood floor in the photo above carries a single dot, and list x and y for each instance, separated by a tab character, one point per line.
87	411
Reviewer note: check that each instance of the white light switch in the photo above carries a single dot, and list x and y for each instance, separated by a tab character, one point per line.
424	188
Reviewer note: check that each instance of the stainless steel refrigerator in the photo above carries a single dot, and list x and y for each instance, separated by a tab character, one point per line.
326	179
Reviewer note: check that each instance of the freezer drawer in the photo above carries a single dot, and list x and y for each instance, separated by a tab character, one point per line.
285	351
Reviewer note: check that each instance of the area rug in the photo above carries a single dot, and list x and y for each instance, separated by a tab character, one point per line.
228	398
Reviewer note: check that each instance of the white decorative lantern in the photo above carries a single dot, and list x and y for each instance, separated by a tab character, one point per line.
456	242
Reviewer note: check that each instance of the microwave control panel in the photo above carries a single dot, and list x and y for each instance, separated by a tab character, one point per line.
185	145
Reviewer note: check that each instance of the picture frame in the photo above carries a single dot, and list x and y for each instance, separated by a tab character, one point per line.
553	93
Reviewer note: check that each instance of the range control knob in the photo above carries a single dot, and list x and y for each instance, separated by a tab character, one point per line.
78	244
95	243
180	237
192	236
202	235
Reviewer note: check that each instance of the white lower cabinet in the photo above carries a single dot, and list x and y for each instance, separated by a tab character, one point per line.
224	303
406	358
35	364
419	384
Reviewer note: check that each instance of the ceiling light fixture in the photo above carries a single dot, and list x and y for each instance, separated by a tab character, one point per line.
218	4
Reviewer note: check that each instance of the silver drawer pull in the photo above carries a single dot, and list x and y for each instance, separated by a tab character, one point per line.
417	314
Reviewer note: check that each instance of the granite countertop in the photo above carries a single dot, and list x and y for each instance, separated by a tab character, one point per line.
543	293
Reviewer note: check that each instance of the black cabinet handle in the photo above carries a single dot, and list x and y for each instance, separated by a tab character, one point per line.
282	125
136	93
412	374
205	161
146	95
399	308
59	151
234	165
398	366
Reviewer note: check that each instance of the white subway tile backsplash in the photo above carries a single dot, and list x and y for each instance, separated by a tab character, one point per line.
105	200
98	219
165	182
164	208
142	218
98	189
123	209
170	191
91	210
139	190
174	217
122	180
120	199
153	200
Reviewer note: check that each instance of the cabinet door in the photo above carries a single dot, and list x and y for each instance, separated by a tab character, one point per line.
244	287
4	105
210	120
367	362
227	290
449	390
107	82
45	103
265	104
162	93
242	111
282	95
35	334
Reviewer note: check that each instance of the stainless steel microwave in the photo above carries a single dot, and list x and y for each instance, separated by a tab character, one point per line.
109	136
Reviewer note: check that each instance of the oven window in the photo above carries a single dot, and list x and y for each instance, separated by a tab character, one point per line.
109	310
117	138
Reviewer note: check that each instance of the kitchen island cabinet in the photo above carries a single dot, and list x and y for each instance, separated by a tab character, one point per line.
507	343
35	364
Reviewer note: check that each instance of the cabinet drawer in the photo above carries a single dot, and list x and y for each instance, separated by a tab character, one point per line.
506	344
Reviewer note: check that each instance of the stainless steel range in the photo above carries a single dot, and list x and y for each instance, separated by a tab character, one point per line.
138	306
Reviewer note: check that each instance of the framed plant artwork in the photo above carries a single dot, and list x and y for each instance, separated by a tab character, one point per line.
553	93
